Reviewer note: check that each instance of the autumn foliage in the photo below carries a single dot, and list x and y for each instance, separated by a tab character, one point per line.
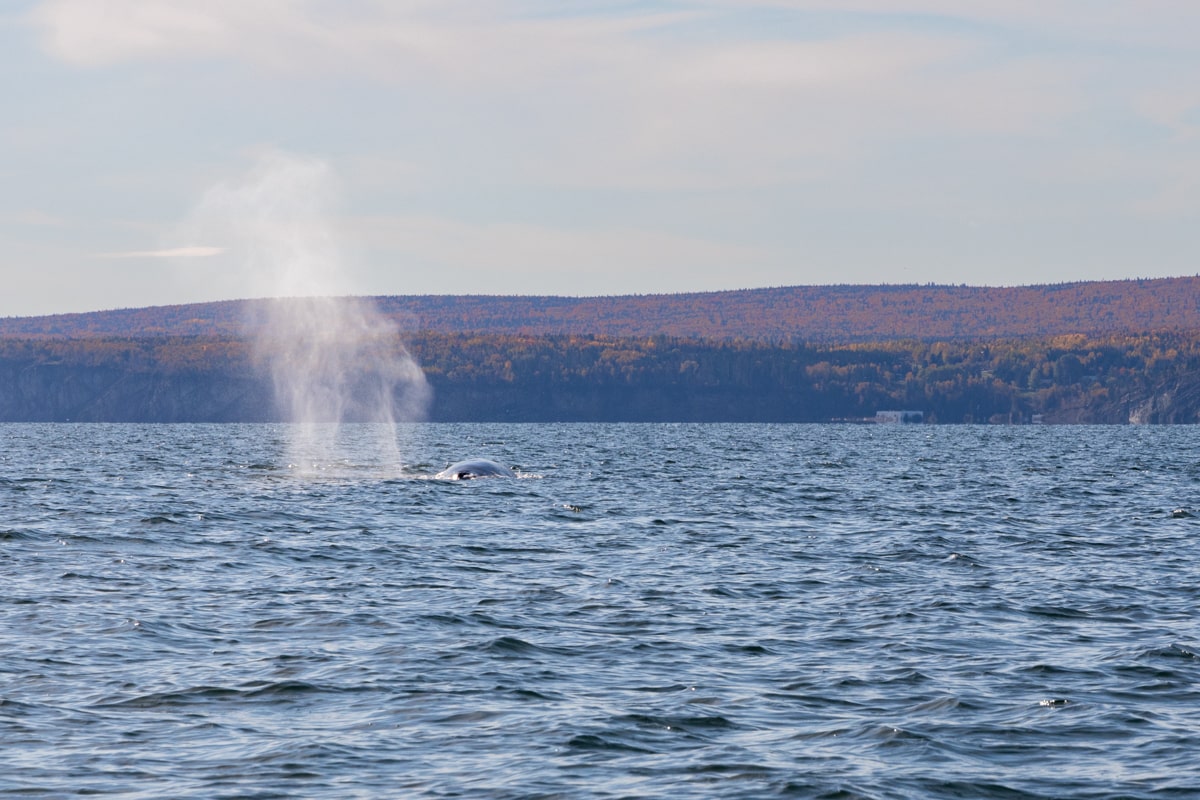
1086	352
796	313
1148	377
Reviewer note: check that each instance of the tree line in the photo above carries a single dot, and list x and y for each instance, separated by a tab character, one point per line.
1110	378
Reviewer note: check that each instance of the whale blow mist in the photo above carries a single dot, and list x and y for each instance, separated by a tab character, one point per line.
332	358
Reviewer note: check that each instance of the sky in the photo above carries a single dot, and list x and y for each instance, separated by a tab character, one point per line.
167	151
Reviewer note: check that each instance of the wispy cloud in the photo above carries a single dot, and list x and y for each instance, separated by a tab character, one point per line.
444	37
171	252
662	98
678	95
488	37
665	144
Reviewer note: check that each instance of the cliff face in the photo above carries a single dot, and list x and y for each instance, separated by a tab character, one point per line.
60	393
55	393
1175	404
517	401
1148	379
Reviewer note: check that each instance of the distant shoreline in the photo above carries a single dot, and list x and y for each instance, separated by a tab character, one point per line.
1150	378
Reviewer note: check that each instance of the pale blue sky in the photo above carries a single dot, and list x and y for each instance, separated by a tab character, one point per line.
538	147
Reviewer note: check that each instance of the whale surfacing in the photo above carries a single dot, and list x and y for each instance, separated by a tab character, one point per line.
474	468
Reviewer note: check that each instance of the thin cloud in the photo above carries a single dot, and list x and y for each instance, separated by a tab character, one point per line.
172	252
531	145
478	39
631	100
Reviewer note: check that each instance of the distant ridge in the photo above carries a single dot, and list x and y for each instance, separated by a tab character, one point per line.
842	313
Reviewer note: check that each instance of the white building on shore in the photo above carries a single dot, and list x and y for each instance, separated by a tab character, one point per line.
899	417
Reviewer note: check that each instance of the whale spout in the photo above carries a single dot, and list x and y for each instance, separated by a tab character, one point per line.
474	468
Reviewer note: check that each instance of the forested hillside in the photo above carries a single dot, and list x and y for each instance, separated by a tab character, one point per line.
1113	352
798	313
1099	379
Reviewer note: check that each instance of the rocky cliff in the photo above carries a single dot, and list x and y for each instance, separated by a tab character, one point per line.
62	393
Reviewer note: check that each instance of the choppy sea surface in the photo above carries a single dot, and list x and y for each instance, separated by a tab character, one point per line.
647	611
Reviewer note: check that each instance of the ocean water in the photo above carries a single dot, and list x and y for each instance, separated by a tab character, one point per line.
647	611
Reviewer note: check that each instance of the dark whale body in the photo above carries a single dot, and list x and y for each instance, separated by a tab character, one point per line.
474	468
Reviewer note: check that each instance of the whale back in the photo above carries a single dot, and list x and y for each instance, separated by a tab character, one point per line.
474	468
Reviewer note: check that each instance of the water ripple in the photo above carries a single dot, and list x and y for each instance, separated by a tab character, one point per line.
664	611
